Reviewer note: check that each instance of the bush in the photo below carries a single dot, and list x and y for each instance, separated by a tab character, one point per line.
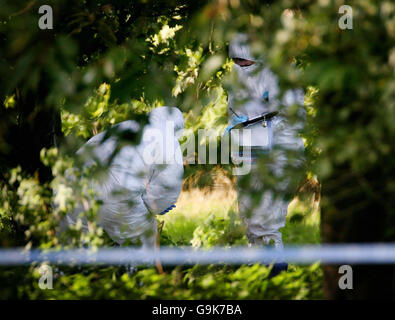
197	282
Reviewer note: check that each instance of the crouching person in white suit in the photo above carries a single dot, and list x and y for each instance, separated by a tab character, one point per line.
141	181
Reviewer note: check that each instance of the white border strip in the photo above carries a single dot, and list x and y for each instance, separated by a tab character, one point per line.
306	254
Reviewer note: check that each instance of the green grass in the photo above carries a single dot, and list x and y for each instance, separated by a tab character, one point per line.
205	219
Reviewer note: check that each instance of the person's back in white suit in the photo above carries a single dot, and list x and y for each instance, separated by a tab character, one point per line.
140	181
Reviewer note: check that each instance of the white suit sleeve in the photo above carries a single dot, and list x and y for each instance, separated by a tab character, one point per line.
163	174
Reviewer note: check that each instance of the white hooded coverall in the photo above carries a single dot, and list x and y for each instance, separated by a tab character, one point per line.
256	93
141	181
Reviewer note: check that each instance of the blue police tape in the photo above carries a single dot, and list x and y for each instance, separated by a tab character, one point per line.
327	254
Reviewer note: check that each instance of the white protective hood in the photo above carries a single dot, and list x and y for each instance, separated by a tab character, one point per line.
255	90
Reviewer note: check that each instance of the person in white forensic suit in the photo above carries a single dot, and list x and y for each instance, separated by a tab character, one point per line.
255	93
141	181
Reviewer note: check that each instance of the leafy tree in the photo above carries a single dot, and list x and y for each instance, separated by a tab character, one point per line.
98	66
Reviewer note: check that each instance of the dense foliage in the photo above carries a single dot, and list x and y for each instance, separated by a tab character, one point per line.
98	66
202	224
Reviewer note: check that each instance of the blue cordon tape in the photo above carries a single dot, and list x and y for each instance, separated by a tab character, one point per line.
307	254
